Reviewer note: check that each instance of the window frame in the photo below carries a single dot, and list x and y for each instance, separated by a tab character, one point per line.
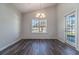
40	32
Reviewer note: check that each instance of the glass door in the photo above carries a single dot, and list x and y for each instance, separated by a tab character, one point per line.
71	28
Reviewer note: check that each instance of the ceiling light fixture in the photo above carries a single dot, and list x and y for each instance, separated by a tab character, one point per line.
40	15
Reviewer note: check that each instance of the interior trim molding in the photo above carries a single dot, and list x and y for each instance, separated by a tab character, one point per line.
8	45
41	39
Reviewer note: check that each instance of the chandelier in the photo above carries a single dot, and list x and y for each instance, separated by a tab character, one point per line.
40	14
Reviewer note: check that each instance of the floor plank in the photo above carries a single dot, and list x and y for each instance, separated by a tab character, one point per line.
40	47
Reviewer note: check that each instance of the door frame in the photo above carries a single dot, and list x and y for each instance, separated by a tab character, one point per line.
76	27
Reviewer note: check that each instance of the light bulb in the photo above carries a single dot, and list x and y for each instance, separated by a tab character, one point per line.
38	14
43	15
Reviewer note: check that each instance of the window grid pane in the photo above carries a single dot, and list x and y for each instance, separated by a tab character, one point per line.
39	26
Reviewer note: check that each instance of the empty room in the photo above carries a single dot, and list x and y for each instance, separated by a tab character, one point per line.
39	28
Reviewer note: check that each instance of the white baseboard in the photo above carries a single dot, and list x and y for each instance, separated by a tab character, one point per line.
62	40
77	48
9	44
39	38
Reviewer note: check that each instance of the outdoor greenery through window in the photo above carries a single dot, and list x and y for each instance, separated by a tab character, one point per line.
39	26
70	27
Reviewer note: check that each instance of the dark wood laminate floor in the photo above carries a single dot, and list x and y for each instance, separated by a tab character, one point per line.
40	47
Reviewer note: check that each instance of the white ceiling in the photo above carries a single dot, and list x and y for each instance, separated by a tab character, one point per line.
27	7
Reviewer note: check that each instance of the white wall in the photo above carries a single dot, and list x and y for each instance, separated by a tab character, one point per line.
63	9
9	25
26	30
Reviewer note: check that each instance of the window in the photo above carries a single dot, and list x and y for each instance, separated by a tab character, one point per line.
70	28
39	26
